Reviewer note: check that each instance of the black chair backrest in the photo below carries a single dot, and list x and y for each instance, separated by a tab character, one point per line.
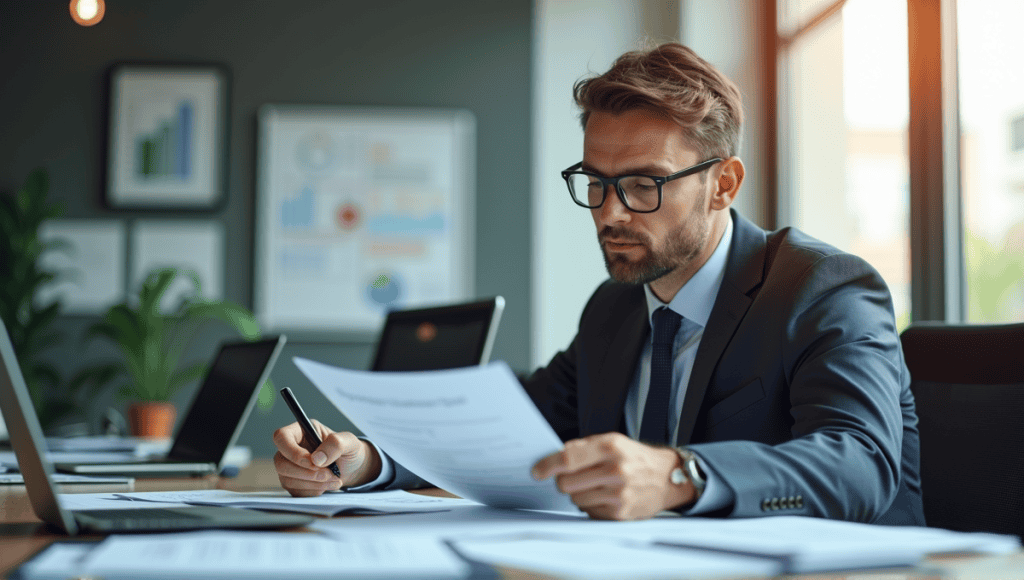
968	382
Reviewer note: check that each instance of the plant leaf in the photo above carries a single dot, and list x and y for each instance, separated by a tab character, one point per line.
238	317
184	376
153	290
265	400
97	376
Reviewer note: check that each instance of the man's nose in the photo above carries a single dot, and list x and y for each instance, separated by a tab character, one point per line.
613	210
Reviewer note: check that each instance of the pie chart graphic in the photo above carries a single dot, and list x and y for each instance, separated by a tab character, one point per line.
385	289
348	216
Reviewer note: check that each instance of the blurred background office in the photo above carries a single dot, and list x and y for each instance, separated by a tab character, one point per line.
893	129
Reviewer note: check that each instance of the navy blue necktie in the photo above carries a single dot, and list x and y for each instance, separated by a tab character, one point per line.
654	426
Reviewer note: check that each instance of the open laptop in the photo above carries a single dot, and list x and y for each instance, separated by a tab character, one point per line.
214	421
441	337
27	439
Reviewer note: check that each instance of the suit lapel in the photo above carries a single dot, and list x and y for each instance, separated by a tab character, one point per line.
615	372
743	272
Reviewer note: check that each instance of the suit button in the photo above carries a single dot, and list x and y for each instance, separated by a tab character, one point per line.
775	503
791	502
764	505
799	501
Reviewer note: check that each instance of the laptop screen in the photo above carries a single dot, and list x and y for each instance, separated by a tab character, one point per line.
438	338
223	401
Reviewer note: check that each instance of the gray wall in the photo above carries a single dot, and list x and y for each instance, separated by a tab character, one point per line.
455	53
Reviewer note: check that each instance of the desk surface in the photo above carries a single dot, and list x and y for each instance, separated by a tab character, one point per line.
22	534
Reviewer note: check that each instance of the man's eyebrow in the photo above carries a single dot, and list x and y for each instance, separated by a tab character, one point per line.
654	170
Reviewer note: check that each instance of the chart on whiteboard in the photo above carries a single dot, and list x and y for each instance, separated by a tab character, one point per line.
360	212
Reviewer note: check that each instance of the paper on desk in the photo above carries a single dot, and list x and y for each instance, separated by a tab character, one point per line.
75	457
7	458
472	431
612	558
93	443
101	501
807	544
58	561
476	519
328	504
17	479
219	554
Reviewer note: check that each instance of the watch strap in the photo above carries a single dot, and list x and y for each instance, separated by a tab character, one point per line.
691	471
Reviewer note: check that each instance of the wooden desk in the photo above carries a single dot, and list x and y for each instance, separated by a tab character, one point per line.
22	534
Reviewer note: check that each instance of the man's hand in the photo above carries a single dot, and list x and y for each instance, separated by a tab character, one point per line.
306	474
613	477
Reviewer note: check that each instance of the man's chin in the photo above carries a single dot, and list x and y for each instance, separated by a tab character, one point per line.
627	272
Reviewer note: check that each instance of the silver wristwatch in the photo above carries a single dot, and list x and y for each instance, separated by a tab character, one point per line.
689	471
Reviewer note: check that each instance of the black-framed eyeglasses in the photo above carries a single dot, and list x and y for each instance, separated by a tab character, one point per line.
639	193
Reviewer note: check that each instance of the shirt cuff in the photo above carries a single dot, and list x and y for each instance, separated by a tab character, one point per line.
717	495
387	472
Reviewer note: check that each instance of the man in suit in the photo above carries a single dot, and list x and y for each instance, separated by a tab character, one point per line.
722	370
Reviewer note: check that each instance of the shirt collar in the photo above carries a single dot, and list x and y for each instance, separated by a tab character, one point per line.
696	298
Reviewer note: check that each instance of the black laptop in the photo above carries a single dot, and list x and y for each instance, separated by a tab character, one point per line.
27	439
214	421
440	337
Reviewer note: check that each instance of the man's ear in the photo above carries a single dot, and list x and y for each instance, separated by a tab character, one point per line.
730	178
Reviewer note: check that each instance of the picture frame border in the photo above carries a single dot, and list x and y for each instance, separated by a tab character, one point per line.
219	143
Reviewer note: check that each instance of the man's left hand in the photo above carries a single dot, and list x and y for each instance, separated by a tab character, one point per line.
612	477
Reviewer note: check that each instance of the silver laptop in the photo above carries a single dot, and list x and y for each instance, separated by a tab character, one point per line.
440	337
27	439
214	421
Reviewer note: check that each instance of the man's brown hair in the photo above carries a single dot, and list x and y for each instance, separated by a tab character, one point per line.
672	80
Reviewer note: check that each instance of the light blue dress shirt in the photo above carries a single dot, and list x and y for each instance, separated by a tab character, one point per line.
693	302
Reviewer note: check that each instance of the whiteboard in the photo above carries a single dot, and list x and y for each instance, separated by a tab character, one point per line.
361	211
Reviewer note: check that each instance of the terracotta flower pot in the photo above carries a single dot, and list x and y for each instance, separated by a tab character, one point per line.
151	419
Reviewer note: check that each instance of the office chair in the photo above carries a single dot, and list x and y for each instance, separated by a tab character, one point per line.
968	381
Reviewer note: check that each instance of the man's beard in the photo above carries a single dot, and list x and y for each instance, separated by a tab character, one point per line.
682	246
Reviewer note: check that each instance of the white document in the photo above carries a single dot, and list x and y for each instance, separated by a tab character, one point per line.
218	554
17	479
328	504
599	558
103	501
59	561
93	443
808	544
472	431
9	459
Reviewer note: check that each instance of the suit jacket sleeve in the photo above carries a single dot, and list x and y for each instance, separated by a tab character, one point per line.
840	365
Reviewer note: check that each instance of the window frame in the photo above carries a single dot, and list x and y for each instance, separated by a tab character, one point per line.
937	280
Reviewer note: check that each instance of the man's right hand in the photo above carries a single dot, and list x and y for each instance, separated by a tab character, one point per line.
304	473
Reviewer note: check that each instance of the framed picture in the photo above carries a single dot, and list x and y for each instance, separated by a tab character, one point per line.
167	136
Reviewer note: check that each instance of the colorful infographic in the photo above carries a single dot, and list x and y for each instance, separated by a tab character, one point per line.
361	211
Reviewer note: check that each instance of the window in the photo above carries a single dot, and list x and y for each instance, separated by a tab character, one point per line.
844	165
992	157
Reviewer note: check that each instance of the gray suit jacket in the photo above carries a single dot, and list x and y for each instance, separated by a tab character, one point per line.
799	399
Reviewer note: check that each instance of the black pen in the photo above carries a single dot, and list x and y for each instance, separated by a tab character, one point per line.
311	436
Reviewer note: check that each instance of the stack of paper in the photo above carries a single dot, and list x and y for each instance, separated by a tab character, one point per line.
253	555
795	544
601	558
17	479
815	545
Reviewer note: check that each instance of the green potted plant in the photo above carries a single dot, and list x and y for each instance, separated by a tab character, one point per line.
151	343
29	323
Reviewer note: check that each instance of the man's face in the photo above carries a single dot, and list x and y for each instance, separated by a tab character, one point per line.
643	247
